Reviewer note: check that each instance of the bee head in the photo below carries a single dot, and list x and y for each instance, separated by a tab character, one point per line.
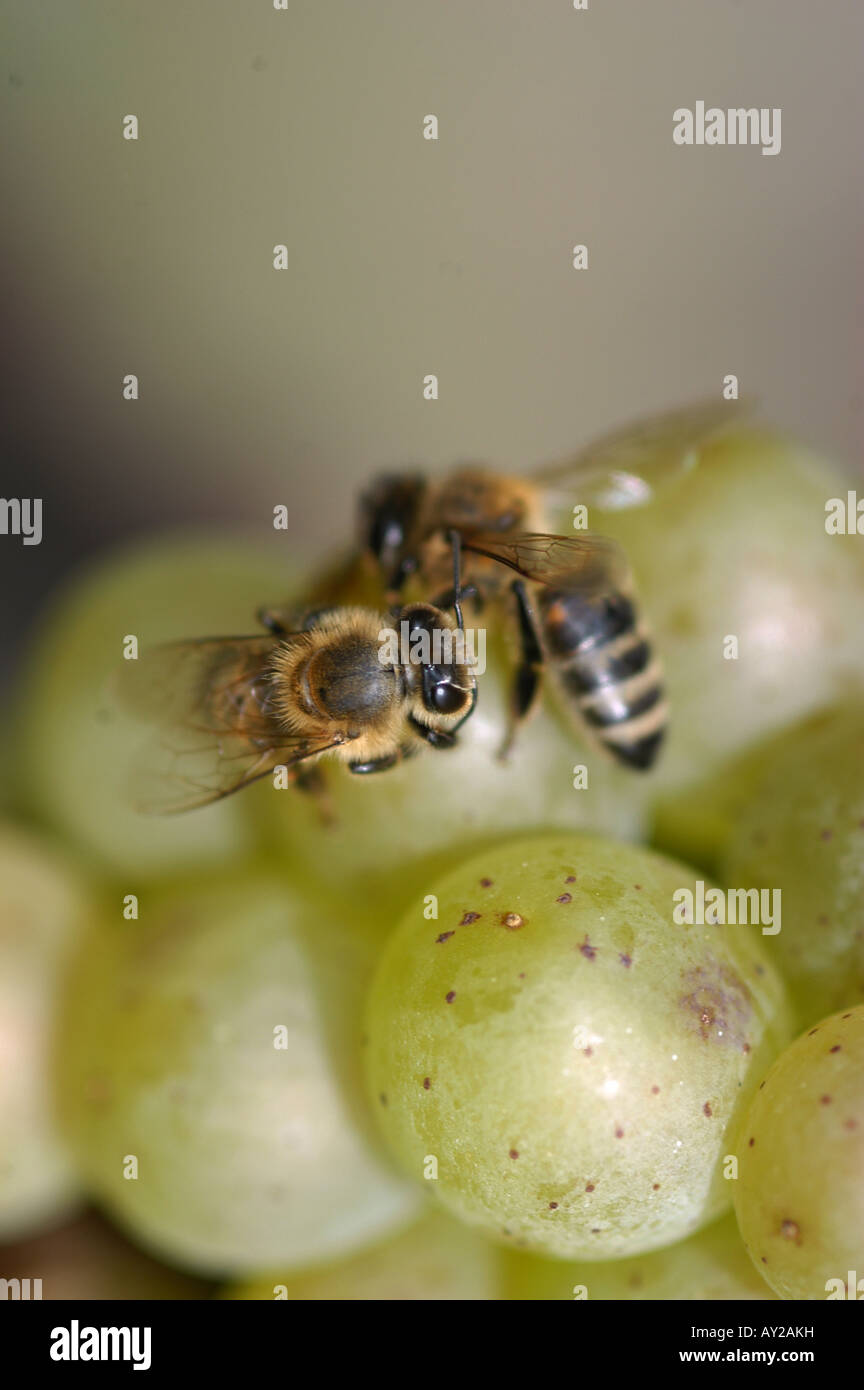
388	512
435	661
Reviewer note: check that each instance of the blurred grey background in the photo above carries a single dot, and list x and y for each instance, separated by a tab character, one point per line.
406	256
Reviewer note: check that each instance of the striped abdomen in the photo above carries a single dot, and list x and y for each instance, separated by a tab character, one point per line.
604	664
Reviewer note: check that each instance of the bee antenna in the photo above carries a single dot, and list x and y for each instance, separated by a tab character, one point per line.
456	542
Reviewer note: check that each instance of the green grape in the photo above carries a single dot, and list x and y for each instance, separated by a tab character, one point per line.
435	1259
394	830
212	1048
802	833
738	548
87	1259
76	747
43	909
711	1265
559	1060
799	1196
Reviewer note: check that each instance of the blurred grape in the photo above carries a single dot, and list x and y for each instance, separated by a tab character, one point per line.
799	1197
88	1259
435	1259
215	1041
738	548
43	911
76	747
802	832
559	1060
709	1266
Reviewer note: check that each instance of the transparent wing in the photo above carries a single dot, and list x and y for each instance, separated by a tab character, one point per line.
213	728
627	467
587	562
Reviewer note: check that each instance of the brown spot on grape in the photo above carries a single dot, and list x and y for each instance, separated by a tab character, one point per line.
565	898
512	921
383	1099
826	834
571	878
514	1153
824	1100
846	1015
716	1003
450	996
750	1142
851	1124
589	1187
822	919
635	1281
587	1052
485	883
812	1031
638	887
98	1089
764	1261
426	1083
468	918
746	1047
838	1047
553	1206
655	1090
625	960
587	950
790	1230
655	1187
595	1230
706	1110
445	936
619	1133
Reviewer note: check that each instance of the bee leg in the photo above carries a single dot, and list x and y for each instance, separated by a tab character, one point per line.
273	619
436	738
469	591
312	782
281	621
374	765
526	683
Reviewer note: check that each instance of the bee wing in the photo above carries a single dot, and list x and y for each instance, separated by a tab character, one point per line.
626	468
587	562
213	726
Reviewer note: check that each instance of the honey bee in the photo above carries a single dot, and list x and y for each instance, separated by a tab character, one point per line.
577	615
230	710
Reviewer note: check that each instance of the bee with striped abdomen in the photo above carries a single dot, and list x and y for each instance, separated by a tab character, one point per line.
573	600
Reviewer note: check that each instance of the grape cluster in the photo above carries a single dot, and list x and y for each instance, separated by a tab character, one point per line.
464	1042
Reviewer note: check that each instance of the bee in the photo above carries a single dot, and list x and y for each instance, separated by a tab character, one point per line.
574	603
230	710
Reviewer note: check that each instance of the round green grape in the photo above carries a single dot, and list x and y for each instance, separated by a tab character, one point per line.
799	1197
210	1076
435	1259
802	834
76	745
559	1059
710	1266
43	912
755	609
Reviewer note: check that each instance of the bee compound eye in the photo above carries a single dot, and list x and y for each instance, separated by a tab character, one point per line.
447	698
